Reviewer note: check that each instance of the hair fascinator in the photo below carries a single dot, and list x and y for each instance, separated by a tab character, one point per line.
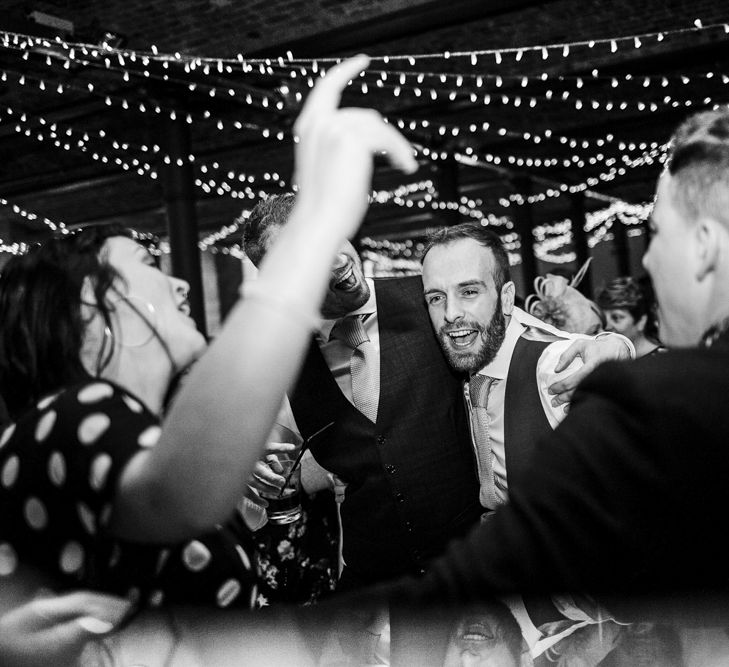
557	302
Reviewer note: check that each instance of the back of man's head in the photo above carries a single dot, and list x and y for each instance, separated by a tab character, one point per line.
262	225
699	166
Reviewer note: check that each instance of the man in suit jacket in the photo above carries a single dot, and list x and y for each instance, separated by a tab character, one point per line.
408	464
630	492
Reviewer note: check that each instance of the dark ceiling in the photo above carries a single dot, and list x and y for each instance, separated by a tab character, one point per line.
511	98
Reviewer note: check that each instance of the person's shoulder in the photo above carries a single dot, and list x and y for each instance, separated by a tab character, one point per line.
553	348
689	376
59	415
90	401
400	283
400	295
87	392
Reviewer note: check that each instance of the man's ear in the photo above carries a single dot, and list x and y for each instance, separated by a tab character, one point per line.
707	233
641	322
508	292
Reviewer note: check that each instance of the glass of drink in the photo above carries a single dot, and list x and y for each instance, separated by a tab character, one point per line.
284	505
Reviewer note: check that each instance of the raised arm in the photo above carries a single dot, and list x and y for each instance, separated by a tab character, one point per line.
217	427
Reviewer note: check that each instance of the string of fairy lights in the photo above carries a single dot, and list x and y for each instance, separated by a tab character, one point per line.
405	255
111	56
476	96
438	130
67	138
225	78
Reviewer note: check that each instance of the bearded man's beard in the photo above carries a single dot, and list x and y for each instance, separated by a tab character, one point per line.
490	338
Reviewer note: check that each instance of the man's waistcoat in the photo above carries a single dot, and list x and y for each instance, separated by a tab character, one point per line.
412	482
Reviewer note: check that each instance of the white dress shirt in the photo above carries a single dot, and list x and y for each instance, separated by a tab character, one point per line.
521	323
338	354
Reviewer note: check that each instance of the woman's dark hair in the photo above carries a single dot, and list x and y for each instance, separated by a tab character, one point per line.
626	293
43	328
634	295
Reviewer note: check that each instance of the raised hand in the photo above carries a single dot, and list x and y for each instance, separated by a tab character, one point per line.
335	148
593	352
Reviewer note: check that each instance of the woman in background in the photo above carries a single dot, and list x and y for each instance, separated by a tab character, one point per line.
629	309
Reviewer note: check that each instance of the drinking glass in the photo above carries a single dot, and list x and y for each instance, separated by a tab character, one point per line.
284	505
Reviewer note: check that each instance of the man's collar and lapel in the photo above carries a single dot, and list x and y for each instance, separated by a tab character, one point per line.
498	368
520	323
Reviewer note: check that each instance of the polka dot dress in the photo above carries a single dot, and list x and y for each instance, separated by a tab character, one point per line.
59	467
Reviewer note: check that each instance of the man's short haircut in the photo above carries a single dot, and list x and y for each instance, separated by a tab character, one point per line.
625	293
482	236
266	218
699	166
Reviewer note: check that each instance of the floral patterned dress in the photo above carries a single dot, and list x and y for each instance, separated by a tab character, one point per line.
298	561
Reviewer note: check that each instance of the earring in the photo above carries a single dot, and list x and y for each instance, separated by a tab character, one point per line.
108	340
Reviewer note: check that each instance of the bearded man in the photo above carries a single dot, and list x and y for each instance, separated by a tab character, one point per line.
510	357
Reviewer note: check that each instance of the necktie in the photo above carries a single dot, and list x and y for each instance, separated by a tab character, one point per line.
362	365
479	387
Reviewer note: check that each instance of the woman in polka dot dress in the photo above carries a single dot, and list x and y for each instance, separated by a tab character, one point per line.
93	335
96	490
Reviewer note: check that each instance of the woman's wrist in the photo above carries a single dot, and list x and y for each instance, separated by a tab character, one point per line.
256	292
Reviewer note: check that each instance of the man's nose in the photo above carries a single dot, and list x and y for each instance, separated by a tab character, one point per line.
453	310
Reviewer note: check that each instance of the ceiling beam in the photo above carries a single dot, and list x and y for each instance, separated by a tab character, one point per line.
408	22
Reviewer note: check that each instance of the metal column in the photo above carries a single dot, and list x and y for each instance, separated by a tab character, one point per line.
445	179
524	223
179	194
622	251
579	239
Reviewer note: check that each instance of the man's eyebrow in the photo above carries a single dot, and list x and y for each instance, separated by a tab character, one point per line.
465	283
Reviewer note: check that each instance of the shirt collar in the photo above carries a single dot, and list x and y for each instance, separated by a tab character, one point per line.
326	326
520	321
535	323
499	366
